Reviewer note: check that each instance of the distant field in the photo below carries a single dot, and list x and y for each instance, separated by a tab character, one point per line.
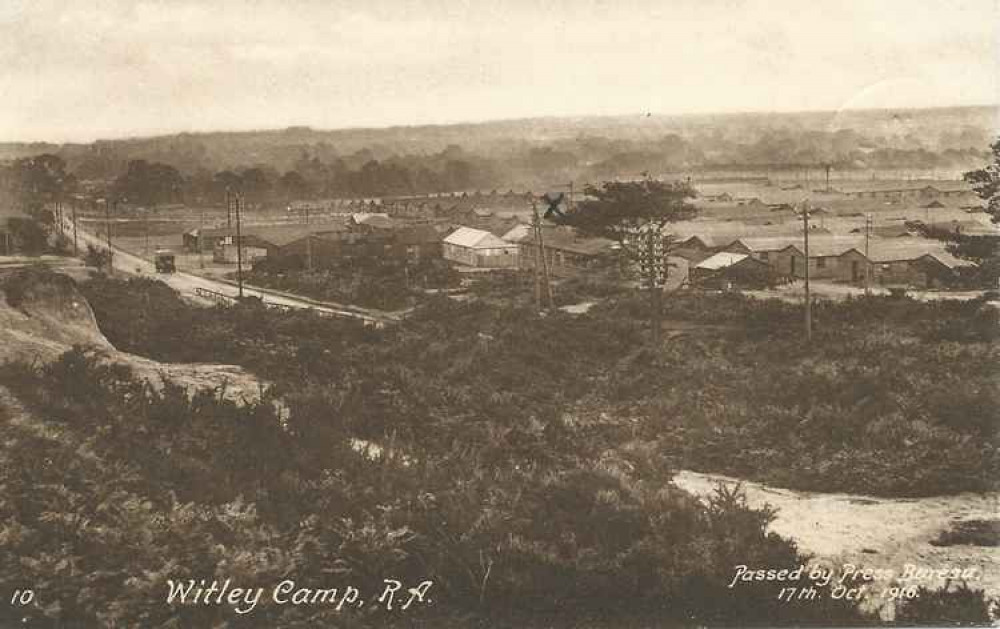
841	207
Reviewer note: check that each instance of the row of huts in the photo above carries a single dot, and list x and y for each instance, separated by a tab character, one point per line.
504	242
744	261
566	251
479	239
361	235
914	262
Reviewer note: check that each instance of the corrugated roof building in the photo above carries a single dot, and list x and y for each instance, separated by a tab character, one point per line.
477	248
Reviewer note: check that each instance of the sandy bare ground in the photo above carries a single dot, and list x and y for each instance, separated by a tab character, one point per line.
795	292
881	533
55	317
579	308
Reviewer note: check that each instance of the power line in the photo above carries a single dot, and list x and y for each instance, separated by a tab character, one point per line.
868	265
309	256
76	246
234	201
201	238
540	243
805	233
107	231
652	255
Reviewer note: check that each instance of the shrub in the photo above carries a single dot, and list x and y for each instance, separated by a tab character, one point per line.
97	257
958	606
970	532
30	236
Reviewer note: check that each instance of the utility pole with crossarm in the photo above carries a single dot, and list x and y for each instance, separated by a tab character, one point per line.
541	262
651	254
234	202
804	211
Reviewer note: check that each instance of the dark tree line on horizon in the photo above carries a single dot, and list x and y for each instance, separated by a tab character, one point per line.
29	183
184	170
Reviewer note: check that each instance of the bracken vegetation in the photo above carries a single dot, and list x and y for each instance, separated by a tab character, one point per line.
130	486
383	285
523	463
893	397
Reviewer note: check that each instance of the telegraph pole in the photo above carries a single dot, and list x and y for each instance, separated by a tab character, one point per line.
537	266
309	249
805	233
656	290
868	265
76	246
201	238
233	202
545	268
107	233
145	225
239	245
651	253
545	264
540	242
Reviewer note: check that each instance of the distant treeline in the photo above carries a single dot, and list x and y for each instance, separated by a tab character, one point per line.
303	163
28	184
380	170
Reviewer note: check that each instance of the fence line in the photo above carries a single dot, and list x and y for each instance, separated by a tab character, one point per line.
226	300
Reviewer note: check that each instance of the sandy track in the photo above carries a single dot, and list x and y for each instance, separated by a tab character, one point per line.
881	533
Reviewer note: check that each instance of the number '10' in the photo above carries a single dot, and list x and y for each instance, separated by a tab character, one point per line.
22	597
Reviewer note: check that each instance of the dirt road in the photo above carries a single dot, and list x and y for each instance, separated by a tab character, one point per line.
201	288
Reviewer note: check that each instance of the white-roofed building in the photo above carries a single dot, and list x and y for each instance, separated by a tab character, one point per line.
720	260
481	249
519	233
727	270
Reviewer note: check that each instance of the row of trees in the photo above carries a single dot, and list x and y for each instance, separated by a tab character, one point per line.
312	178
362	174
299	165
986	182
31	183
29	187
585	149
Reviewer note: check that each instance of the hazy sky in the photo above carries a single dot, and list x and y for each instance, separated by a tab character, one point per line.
79	70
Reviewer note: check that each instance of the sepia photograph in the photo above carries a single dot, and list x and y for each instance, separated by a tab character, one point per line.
448	314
